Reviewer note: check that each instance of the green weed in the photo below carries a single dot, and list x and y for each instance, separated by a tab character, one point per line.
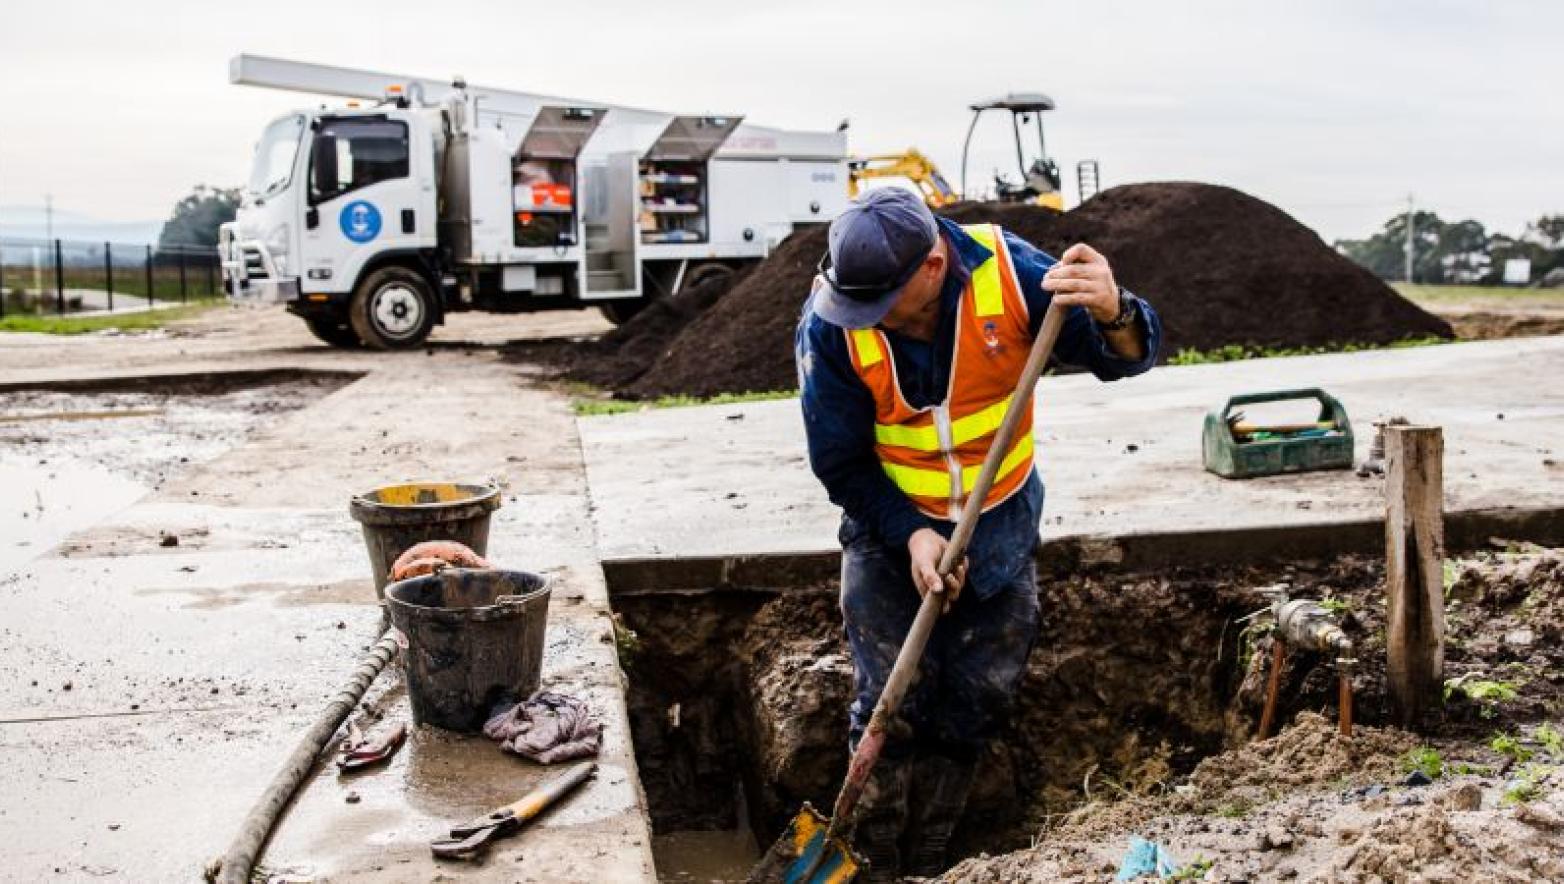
1425	759
1526	786
587	407
1552	741
1240	352
1505	744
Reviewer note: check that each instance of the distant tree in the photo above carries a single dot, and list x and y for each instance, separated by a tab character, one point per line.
1384	253
197	216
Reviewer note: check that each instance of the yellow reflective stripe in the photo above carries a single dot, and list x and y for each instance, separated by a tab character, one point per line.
936	483
921	483
1019	453
962	430
979	424
986	288
867	342
902	436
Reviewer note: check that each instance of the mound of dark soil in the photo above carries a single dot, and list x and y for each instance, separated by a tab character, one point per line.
1220	266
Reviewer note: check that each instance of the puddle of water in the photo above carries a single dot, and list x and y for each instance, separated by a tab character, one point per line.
693	857
44	503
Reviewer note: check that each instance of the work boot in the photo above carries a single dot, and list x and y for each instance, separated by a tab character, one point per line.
941	785
882	815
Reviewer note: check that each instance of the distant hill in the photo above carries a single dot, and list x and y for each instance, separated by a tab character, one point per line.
28	224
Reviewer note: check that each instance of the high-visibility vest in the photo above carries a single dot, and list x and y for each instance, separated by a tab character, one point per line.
934	454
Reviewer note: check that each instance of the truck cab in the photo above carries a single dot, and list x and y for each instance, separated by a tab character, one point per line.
335	199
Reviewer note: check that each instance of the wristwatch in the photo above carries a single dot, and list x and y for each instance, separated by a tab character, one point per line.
1129	310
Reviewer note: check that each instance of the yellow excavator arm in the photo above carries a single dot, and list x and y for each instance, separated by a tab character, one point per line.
911	165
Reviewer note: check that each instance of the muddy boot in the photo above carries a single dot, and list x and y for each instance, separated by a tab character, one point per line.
882	814
942	785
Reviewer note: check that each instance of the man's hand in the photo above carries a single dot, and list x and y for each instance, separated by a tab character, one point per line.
926	547
1083	278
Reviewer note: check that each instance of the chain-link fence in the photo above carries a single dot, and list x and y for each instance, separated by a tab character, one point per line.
70	276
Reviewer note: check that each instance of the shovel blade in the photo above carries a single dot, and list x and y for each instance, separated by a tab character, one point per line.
803	855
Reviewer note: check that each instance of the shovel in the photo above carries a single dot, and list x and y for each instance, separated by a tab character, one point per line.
814	850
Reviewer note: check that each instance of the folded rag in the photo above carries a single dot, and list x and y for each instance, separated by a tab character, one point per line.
548	727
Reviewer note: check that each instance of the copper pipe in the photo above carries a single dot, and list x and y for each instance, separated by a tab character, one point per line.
1273	685
1344	677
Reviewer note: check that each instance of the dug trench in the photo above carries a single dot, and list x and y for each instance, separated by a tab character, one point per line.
738	696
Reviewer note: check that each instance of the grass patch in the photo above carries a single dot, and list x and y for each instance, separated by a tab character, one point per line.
68	325
1425	759
1435	294
1240	352
587	407
1527	785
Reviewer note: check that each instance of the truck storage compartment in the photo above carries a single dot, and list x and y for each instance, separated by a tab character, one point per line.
673	179
544	174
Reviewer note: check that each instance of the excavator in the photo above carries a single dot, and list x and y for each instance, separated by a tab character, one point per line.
911	165
1040	182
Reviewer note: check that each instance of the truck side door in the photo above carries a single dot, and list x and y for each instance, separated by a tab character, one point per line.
366	196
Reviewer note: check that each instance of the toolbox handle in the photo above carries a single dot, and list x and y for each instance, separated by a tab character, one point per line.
1330	407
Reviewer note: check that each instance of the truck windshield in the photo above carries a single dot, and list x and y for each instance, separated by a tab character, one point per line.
274	156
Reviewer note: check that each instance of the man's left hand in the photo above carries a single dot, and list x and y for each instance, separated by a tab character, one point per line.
1083	278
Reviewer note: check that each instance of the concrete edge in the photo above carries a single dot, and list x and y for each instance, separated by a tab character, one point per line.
200	383
769	572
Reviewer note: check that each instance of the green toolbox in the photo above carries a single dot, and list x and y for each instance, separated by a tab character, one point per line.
1238	449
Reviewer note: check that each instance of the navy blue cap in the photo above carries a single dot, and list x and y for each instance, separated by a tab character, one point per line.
876	245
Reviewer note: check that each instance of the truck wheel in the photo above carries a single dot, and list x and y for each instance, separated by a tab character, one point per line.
620	312
334	332
392	309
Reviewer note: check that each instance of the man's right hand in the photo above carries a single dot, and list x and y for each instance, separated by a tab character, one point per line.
926	547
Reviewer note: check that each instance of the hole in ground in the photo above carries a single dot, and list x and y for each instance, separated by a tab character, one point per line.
738	704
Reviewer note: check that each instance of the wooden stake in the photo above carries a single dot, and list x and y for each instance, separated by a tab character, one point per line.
1414	569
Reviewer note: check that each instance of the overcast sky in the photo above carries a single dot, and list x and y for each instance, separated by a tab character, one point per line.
1333	110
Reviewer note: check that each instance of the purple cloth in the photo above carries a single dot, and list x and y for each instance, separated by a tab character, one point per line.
547	728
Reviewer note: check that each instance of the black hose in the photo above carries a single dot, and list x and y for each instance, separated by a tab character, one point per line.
234	866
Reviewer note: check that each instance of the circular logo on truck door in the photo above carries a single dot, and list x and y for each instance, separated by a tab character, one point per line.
360	221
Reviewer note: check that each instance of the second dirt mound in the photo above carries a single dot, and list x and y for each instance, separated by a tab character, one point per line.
1221	267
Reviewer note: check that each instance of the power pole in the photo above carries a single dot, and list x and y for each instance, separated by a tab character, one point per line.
1409	238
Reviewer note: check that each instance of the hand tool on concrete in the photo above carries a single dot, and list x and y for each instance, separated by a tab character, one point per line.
233	867
358	751
814	850
468	839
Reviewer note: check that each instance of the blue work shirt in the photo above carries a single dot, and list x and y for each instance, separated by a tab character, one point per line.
839	412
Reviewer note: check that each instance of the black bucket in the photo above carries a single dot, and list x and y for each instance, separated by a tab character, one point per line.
474	639
397	517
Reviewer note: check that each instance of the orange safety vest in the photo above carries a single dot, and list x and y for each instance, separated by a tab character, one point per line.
934	454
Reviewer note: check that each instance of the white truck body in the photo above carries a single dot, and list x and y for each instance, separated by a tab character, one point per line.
502	200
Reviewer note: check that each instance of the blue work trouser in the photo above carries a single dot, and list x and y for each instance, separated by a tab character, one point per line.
965	687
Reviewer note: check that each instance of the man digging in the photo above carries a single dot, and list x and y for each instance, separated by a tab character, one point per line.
908	350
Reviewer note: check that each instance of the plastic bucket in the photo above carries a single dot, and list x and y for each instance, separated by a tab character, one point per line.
474	639
398	516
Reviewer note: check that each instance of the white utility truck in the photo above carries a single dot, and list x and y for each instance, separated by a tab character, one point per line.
375	220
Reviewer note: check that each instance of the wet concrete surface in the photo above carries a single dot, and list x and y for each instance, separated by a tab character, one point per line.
156	689
1118	459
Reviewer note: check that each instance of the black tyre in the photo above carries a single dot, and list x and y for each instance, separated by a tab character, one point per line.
335	332
393	309
620	312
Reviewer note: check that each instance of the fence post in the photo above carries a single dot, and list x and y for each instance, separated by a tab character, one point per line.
181	254
1414	570
108	272
211	277
149	276
59	279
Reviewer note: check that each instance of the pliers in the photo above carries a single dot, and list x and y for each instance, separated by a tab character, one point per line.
468	839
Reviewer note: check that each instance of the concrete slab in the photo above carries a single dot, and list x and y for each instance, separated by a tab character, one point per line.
1119	459
155	690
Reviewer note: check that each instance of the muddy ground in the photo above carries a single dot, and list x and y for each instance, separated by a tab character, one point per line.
1136	717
